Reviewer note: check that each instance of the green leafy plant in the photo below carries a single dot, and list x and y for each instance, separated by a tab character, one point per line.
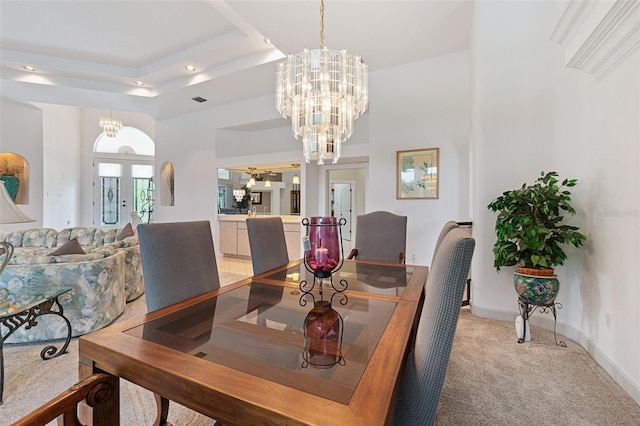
529	227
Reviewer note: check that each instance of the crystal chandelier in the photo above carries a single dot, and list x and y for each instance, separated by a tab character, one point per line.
109	125
323	91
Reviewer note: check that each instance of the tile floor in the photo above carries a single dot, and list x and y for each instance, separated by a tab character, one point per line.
235	265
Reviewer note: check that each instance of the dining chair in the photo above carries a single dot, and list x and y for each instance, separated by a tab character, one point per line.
178	262
267	243
380	237
426	364
443	233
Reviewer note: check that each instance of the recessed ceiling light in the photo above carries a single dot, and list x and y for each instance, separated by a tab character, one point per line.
190	68
139	83
29	68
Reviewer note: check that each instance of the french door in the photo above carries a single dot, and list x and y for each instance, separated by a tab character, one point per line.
119	187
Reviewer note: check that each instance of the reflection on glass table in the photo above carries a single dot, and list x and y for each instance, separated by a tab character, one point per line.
362	277
266	331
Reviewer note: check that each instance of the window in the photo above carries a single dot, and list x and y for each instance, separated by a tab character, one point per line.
222	197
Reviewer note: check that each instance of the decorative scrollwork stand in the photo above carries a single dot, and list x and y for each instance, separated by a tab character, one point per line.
526	309
49	305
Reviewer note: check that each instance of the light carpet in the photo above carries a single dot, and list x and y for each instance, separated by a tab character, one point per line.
491	380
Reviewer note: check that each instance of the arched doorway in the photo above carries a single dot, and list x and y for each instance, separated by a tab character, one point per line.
123	177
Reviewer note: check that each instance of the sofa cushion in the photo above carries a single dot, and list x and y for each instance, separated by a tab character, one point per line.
70	247
110	235
39	237
31	259
15	238
127	231
86	236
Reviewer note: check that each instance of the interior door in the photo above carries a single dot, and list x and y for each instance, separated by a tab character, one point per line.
119	187
342	207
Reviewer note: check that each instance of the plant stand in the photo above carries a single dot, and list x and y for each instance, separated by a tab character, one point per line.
526	309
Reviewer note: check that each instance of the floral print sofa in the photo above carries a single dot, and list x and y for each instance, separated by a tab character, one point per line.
103	279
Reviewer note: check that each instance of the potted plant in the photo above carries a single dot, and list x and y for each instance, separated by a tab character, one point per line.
530	234
10	174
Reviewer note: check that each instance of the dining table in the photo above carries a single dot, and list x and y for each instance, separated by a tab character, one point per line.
282	347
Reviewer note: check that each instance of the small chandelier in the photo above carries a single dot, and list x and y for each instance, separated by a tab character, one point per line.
296	178
323	91
252	180
109	125
238	194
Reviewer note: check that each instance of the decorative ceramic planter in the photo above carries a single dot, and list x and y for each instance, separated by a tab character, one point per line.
12	183
536	290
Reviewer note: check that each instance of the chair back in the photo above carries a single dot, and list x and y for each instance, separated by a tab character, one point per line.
427	364
381	237
443	233
267	243
178	261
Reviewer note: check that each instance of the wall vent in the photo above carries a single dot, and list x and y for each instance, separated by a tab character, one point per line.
199	99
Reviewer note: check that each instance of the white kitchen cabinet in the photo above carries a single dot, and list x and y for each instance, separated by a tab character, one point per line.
228	237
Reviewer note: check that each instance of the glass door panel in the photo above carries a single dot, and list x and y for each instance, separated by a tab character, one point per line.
121	186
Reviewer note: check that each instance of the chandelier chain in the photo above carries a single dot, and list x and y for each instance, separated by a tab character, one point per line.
322	24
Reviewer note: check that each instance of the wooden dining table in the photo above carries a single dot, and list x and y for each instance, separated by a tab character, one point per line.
249	353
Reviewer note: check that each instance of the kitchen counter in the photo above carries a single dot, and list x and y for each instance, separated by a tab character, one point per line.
243	217
234	240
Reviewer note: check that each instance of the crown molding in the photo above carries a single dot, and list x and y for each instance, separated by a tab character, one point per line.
598	35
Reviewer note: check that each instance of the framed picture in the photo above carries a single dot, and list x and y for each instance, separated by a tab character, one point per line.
256	198
417	174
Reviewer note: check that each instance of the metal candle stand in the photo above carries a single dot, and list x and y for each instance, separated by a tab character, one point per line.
323	331
315	244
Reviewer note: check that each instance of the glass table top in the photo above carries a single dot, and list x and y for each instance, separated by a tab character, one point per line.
28	297
388	280
318	343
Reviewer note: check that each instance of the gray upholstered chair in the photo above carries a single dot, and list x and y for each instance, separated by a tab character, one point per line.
426	365
443	233
267	243
178	261
380	237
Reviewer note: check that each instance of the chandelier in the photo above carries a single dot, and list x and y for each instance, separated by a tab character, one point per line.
109	125
252	180
323	91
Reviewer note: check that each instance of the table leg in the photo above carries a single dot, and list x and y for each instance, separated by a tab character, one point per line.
50	351
162	405
108	412
1	369
15	321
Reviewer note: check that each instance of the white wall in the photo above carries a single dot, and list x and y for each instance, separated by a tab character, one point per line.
421	105
62	149
21	133
532	113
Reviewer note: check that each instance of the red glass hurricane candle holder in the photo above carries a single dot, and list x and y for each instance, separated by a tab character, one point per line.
323	249
323	336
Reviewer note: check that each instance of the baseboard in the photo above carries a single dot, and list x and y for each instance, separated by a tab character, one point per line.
619	376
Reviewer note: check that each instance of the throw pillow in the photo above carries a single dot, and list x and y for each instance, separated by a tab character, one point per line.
127	231
70	247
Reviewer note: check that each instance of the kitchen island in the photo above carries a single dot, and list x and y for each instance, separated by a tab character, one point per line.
234	240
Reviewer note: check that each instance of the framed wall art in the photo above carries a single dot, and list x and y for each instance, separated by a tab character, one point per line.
417	174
